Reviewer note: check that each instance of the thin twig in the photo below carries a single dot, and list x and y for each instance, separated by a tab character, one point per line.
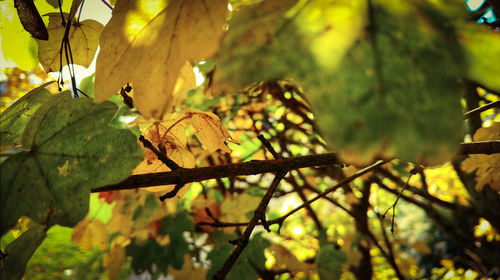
281	219
162	157
268	146
481	109
259	215
393	206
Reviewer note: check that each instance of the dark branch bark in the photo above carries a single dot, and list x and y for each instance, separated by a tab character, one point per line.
188	175
481	109
481	147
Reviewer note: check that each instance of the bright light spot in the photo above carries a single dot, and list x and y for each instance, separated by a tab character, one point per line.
487	123
489	17
432	189
236	152
126	119
340	242
289	204
482	228
297	230
270	259
469	274
474	5
199	76
449	275
230	7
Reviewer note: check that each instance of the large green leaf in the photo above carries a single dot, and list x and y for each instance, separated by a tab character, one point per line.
397	91
16	117
19	251
70	149
381	83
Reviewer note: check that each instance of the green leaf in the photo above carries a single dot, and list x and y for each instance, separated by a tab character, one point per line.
329	262
380	85
482	50
146	254
176	224
397	90
70	150
19	251
243	268
16	117
87	85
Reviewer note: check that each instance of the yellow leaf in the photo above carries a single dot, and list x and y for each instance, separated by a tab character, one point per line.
115	258
210	131
421	247
171	136
284	259
90	233
487	167
234	209
83	39
188	271
148	43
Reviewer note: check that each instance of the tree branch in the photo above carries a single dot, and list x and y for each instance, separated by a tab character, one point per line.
260	215
481	147
481	109
281	219
188	175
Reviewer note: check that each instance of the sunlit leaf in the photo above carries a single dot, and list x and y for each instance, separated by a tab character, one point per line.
90	233
83	39
19	251
153	42
17	45
482	48
287	260
487	167
71	150
210	131
235	208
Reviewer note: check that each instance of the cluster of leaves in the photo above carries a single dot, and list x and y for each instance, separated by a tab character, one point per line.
377	81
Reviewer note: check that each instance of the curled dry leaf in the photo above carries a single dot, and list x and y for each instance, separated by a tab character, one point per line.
210	131
83	39
168	136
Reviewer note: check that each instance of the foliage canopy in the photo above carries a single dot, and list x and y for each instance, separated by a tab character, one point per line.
290	139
